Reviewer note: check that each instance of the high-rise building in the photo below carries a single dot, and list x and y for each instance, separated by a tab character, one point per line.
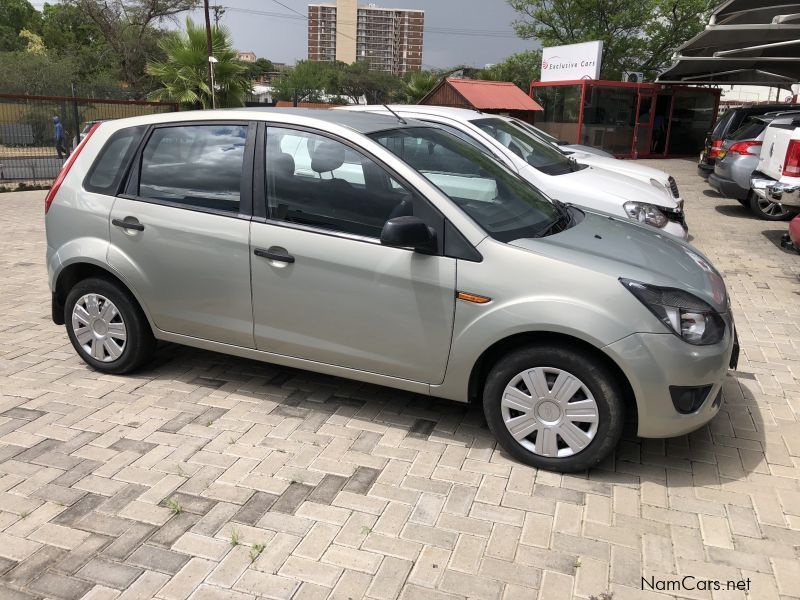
389	39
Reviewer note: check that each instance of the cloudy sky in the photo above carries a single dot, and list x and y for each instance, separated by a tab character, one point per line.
472	32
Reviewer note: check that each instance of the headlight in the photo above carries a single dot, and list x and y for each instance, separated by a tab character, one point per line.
683	313
645	213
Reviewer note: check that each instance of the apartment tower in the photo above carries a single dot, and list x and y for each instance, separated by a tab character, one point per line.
389	39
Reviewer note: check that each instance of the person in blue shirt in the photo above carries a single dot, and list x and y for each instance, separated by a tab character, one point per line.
58	138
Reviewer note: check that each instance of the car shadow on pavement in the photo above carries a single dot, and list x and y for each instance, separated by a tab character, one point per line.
729	447
775	236
735	210
313	395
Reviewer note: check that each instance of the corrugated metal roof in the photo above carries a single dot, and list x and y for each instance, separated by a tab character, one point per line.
497	95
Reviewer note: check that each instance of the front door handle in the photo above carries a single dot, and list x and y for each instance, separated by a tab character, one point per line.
278	256
128	224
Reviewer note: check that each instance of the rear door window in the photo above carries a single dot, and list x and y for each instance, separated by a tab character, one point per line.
196	166
722	124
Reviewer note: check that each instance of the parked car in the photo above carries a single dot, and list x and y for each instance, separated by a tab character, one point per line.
440	272
564	146
776	180
726	124
791	239
738	159
550	170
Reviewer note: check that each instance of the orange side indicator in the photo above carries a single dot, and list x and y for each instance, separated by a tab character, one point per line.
474	298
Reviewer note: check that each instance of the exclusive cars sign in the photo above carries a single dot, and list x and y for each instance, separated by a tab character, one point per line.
575	61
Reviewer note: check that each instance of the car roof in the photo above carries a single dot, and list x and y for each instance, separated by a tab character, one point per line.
362	122
460	114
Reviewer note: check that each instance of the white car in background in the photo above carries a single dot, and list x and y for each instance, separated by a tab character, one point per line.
586	155
565	147
547	168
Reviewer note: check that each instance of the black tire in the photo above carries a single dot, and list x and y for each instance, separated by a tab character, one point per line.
594	375
139	341
757	207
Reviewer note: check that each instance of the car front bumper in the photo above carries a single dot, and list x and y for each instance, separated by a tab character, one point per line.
679	230
655	362
785	194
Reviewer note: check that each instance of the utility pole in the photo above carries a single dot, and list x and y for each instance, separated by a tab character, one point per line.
210	50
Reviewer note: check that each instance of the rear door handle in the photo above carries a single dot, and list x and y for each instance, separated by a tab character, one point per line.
128	224
278	256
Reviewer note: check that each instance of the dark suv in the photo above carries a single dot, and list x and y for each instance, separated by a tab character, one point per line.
729	122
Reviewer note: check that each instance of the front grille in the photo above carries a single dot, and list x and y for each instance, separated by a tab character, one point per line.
673	187
677	215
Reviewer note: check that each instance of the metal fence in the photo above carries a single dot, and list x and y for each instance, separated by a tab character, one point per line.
32	146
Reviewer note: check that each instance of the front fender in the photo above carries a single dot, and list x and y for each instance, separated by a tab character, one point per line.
479	327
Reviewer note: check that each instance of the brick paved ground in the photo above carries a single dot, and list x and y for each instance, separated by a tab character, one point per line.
212	477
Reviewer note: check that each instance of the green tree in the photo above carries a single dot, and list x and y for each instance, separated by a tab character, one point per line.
130	29
67	32
355	81
520	68
415	85
183	76
638	35
259	68
36	74
16	15
309	81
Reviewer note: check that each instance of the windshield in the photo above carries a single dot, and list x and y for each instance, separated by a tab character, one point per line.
534	151
505	206
536	131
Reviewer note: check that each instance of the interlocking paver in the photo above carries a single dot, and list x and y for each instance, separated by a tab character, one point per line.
349	490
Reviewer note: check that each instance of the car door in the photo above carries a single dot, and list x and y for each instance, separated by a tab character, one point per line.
179	235
324	288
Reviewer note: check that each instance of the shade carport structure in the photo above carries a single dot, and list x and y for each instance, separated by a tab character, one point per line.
748	42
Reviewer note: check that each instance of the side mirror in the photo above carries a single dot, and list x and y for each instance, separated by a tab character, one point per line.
408	232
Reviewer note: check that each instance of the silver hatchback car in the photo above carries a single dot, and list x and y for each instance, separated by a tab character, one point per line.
391	252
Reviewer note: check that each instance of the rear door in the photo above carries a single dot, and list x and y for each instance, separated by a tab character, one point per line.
180	233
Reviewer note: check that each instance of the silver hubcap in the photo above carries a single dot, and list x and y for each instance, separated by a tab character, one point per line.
550	412
771	209
99	327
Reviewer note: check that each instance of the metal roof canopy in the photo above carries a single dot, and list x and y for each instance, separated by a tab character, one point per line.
755	42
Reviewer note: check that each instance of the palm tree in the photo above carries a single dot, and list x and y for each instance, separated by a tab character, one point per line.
184	74
415	86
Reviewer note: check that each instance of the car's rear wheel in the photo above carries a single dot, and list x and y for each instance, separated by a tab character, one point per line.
767	210
106	326
554	408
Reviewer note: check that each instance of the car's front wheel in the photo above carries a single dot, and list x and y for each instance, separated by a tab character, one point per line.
554	408
767	210
106	326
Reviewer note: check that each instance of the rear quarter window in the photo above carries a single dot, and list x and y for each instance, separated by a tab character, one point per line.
108	169
722	125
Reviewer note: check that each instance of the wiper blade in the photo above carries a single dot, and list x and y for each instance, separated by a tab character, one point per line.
556	225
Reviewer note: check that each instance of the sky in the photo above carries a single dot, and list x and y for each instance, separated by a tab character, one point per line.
484	26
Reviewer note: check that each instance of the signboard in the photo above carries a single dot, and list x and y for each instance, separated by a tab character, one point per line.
575	61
